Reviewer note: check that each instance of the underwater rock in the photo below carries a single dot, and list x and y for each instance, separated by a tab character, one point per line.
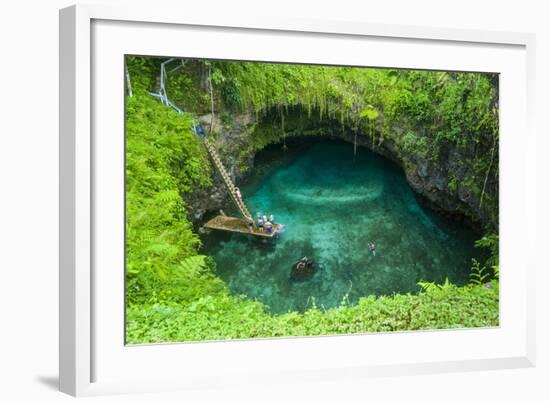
302	269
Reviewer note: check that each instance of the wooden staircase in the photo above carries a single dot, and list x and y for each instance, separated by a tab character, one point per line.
227	180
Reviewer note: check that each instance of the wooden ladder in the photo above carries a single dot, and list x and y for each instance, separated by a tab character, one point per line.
227	180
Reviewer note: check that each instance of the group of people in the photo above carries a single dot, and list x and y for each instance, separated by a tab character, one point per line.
265	222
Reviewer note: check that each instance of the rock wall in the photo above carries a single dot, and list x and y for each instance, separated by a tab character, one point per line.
430	180
233	134
229	135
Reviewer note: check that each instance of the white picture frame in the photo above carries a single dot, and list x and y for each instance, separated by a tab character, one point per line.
92	356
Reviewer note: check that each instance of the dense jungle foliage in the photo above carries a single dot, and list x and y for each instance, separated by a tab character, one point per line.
173	293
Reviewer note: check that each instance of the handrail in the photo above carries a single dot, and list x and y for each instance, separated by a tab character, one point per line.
163	97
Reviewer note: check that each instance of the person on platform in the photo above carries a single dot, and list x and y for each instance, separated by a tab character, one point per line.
268	227
250	224
260	224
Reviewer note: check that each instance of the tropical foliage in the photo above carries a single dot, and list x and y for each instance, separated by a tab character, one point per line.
163	161
219	315
172	291
445	117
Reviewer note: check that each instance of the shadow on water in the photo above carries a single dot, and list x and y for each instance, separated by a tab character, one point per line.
332	206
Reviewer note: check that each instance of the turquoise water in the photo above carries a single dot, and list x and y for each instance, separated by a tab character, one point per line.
332	206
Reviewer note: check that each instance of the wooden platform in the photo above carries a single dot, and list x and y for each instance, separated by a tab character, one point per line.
236	225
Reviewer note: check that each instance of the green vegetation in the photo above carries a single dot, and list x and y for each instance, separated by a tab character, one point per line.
173	293
449	118
163	161
221	316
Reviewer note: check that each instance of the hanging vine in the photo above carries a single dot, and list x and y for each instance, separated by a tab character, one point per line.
211	89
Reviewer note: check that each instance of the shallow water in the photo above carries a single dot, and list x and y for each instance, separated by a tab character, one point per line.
332	206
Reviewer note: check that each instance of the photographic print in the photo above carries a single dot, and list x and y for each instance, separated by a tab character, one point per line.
276	200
